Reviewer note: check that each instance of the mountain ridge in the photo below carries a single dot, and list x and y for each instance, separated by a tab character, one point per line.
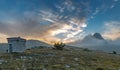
97	42
36	43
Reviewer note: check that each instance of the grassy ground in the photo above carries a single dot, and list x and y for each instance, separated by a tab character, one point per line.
68	59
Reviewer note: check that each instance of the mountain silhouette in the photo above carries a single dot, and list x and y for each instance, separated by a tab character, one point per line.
98	36
35	43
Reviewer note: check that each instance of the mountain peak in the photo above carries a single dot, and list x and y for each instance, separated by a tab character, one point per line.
98	36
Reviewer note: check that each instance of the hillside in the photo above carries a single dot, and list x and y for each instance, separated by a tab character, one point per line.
68	59
35	43
97	42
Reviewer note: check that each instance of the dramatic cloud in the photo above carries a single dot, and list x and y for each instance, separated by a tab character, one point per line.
103	7
67	21
112	30
2	38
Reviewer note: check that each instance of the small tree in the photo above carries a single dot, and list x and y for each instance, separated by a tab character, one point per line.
59	46
114	52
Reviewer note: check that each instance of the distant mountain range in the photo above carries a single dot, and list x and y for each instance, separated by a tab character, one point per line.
97	42
92	42
30	44
36	43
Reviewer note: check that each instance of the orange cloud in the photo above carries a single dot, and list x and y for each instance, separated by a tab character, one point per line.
112	30
3	38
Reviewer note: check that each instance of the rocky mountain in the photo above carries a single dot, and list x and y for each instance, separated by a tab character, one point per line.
91	40
97	42
98	36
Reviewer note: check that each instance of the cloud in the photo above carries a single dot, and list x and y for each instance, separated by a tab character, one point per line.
66	5
112	30
115	0
103	7
62	28
2	38
96	11
94	43
47	24
112	6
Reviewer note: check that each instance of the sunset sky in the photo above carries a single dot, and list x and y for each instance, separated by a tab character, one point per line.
59	20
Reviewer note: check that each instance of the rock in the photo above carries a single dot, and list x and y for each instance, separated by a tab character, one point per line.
98	36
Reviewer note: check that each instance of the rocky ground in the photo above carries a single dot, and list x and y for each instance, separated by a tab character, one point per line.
67	59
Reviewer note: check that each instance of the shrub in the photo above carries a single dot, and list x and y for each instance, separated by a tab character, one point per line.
99	69
59	46
114	52
86	49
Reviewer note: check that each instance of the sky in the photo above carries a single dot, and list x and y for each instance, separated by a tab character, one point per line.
59	20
